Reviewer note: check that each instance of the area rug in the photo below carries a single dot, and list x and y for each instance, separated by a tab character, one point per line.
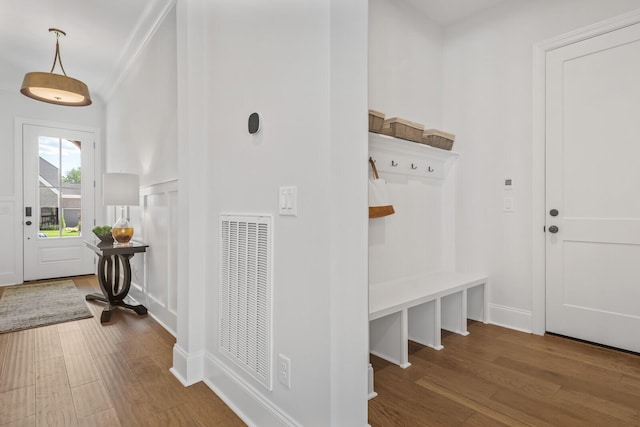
39	304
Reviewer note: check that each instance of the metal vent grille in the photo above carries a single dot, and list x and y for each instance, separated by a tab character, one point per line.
245	293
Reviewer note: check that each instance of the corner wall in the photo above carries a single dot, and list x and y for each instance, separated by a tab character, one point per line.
295	64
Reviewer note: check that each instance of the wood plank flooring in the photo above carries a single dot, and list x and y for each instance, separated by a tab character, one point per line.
82	373
496	376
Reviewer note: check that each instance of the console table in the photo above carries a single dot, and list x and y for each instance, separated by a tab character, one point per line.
113	257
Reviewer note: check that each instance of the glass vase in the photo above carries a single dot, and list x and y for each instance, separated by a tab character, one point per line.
122	231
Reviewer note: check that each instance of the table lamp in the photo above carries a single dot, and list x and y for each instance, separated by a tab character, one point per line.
121	189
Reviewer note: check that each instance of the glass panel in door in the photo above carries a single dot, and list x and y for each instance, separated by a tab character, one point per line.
58	197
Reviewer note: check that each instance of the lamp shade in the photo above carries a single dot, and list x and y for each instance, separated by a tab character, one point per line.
120	189
55	89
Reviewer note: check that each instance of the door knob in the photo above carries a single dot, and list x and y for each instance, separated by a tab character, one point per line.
28	222
553	229
553	212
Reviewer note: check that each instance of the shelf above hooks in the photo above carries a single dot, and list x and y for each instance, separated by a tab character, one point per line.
398	156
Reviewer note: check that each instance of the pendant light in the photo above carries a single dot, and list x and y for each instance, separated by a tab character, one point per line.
56	88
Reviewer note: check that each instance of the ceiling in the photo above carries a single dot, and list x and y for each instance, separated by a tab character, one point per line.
446	12
103	36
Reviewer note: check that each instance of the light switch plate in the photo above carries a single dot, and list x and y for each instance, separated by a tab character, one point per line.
288	201
508	204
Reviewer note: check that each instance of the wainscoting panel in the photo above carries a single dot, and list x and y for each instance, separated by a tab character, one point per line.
12	241
154	281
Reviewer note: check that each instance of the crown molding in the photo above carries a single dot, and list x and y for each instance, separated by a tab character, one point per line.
149	23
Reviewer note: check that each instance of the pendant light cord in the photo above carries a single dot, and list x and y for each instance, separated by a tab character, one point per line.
57	57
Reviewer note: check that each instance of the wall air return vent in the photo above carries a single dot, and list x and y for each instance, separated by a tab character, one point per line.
245	293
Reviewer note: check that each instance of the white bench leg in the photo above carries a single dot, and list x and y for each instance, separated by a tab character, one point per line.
485	302
388	338
422	325
454	310
478	303
404	359
437	326
372	392
463	314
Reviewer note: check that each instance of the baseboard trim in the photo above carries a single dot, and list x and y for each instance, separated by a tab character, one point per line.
187	368
372	392
8	279
250	405
150	311
163	324
509	317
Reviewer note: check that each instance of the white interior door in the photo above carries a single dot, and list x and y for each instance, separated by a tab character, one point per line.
593	181
58	191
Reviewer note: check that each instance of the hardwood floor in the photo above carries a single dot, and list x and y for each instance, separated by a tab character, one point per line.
83	374
496	376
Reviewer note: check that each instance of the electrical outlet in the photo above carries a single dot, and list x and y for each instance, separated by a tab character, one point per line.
284	371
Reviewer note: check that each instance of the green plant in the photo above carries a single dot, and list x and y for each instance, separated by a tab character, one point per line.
73	176
101	230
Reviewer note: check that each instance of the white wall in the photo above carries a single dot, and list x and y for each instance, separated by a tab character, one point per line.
405	80
13	104
487	104
419	237
348	292
274	59
141	114
142	138
405	63
303	67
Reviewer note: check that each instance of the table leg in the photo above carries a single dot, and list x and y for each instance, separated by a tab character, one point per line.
114	290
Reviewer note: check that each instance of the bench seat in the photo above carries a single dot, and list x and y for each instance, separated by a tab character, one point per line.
417	308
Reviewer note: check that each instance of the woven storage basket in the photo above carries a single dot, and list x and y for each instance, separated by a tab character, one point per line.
376	120
403	129
386	129
438	139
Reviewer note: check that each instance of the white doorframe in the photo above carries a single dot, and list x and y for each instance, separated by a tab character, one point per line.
19	197
538	187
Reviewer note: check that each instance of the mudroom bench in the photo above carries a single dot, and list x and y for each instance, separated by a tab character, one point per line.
417	308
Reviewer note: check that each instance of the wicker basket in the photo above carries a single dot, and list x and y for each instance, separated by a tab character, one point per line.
376	120
438	139
403	129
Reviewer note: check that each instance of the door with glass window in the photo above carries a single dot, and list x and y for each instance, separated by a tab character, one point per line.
58	191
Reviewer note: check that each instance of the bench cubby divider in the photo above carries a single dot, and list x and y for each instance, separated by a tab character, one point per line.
418	308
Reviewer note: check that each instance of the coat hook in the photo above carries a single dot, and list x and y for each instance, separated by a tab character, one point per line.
429	169
414	167
393	163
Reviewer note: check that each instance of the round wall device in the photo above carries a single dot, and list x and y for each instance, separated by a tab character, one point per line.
255	123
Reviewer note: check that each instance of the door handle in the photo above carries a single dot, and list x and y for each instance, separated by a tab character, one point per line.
553	229
553	212
28	222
